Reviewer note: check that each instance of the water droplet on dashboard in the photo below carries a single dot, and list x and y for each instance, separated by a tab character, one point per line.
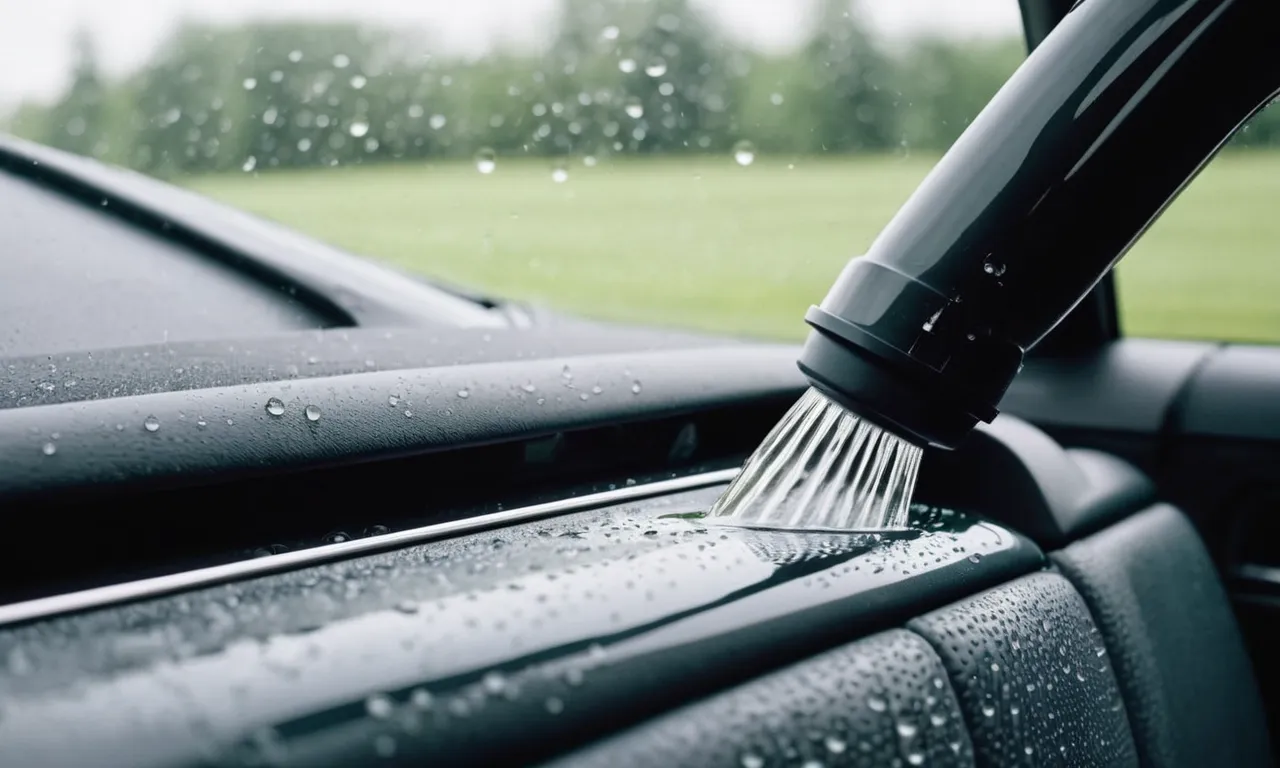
275	406
151	424
529	387
464	393
635	388
312	412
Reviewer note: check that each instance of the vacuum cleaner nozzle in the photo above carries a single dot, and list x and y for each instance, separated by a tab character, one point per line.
1090	139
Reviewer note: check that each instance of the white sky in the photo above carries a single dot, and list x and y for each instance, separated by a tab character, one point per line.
35	35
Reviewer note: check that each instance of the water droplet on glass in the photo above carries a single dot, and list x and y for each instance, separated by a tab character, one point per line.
275	406
589	161
358	129
752	760
407	607
341	61
151	424
937	720
1029	750
744	153
48	449
486	160
877	704
627	65
566	374
494	682
249	83
312	412
915	758
610	32
295	56
906	730
554	706
437	122
574	677
559	175
993	268
384	745
464	393
988	710
656	68
420	698
666	89
775	99
634	109
835	745
249	164
379	706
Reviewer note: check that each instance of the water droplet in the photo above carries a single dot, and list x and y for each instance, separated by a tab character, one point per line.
384	745
565	373
877	704
341	61
937	720
494	682
559	175
529	387
48	449
988	710
358	128
359	81
597	389
249	164
379	706
584	396
408	414
812	764
975	558
993	268
464	393
407	607
275	406
437	122
752	760
420	698
574	677
744	153
589	161
627	66
775	99
1029	750
554	706
312	412
201	423
634	109
906	730
295	56
835	745
610	32
635	387
393	400
151	424
915	758
486	160
656	68
249	83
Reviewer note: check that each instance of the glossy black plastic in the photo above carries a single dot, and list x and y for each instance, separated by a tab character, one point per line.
1079	152
499	648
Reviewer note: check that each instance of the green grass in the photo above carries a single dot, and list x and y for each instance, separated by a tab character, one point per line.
702	243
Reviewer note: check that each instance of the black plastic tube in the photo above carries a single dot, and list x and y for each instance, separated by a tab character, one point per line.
1078	153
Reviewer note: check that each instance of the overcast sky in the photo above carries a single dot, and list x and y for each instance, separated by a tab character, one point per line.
35	35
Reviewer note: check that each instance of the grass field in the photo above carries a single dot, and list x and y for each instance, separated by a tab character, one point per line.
702	243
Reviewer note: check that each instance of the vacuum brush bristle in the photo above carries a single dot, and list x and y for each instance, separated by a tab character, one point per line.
824	468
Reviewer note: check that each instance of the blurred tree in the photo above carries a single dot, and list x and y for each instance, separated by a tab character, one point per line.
75	121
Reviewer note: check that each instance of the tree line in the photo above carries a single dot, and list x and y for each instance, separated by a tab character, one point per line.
618	77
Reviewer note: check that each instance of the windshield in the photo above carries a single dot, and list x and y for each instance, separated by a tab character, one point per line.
706	164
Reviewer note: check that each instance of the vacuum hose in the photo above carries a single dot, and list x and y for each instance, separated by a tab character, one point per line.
1078	153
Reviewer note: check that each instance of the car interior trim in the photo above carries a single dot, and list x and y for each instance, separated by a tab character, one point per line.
99	597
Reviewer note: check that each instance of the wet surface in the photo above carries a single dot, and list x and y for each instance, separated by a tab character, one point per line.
427	650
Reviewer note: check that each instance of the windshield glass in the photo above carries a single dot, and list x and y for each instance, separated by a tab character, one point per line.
707	164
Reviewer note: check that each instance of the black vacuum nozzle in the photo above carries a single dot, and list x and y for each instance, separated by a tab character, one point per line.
1070	162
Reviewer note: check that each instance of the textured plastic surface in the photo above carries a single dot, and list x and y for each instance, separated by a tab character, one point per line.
1182	666
497	648
72	278
1032	676
1236	394
880	701
1018	475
